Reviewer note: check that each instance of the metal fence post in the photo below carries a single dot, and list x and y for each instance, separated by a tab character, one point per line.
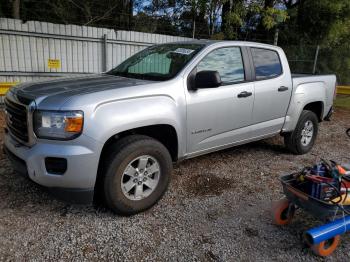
315	59
194	29
104	56
275	39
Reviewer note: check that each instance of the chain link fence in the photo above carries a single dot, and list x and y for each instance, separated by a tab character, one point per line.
314	59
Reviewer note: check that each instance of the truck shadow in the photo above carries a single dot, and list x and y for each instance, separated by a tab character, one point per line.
272	145
19	193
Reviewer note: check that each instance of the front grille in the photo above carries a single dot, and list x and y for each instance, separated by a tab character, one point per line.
16	120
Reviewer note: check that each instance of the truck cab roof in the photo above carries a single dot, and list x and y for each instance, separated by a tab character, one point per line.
207	42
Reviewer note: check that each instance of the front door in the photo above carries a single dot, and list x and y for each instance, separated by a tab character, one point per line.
220	116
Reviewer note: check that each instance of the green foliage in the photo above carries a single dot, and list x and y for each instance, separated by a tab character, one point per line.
342	101
319	22
336	60
114	13
234	19
218	36
323	22
271	17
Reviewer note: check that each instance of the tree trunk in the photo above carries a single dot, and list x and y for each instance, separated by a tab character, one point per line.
269	3
201	21
16	4
130	11
193	28
291	3
226	8
300	18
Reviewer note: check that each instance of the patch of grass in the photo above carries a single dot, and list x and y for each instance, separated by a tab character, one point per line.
342	101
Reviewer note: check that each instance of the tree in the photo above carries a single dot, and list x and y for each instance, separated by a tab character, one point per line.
324	21
16	5
109	13
213	8
233	18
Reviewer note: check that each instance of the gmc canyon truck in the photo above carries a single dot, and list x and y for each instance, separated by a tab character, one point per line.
116	134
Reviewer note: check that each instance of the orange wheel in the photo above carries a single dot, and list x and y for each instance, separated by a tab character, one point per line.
327	247
281	213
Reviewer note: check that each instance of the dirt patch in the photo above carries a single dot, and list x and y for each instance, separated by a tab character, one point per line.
251	232
341	114
211	256
207	184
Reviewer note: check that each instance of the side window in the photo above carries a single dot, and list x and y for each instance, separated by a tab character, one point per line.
267	63
227	61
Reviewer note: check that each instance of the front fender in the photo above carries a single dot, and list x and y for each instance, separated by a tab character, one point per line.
113	117
304	94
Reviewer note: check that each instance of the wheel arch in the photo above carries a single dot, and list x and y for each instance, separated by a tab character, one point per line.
316	107
164	133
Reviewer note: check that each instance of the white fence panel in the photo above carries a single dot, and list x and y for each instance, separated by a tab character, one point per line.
25	49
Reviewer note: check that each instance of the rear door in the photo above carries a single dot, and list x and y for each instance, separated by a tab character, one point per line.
273	89
219	116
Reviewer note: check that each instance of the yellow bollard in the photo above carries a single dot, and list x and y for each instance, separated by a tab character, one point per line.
5	86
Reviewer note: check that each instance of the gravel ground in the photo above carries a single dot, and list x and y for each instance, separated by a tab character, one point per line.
216	209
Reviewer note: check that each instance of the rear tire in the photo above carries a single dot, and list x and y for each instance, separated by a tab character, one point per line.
302	139
137	174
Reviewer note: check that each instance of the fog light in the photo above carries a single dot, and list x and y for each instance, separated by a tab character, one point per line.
56	165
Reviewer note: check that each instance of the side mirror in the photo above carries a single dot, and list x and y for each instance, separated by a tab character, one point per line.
207	79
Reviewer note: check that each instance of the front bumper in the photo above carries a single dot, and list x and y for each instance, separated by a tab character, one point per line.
78	181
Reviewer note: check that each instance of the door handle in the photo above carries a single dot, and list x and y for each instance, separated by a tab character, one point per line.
244	94
282	88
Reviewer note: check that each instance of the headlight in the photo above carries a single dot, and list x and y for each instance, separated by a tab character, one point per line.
62	125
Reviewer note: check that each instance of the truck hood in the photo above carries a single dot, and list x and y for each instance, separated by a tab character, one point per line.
56	92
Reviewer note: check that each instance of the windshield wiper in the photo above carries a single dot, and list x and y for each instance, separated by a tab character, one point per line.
140	76
117	73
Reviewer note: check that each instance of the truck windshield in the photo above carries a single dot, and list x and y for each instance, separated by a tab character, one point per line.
159	62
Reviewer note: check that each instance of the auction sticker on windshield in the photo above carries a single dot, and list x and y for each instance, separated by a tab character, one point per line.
183	51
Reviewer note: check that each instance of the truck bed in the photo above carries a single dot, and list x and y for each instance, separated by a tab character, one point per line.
328	82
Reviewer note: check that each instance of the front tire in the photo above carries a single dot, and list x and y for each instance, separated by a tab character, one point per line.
137	174
302	139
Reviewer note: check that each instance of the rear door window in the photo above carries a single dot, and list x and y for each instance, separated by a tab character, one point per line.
227	61
266	63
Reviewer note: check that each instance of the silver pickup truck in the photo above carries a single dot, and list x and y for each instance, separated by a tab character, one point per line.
117	134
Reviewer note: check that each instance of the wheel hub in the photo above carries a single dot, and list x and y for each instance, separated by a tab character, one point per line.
307	133
140	178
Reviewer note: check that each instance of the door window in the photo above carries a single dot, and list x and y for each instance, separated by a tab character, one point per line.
227	61
267	63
